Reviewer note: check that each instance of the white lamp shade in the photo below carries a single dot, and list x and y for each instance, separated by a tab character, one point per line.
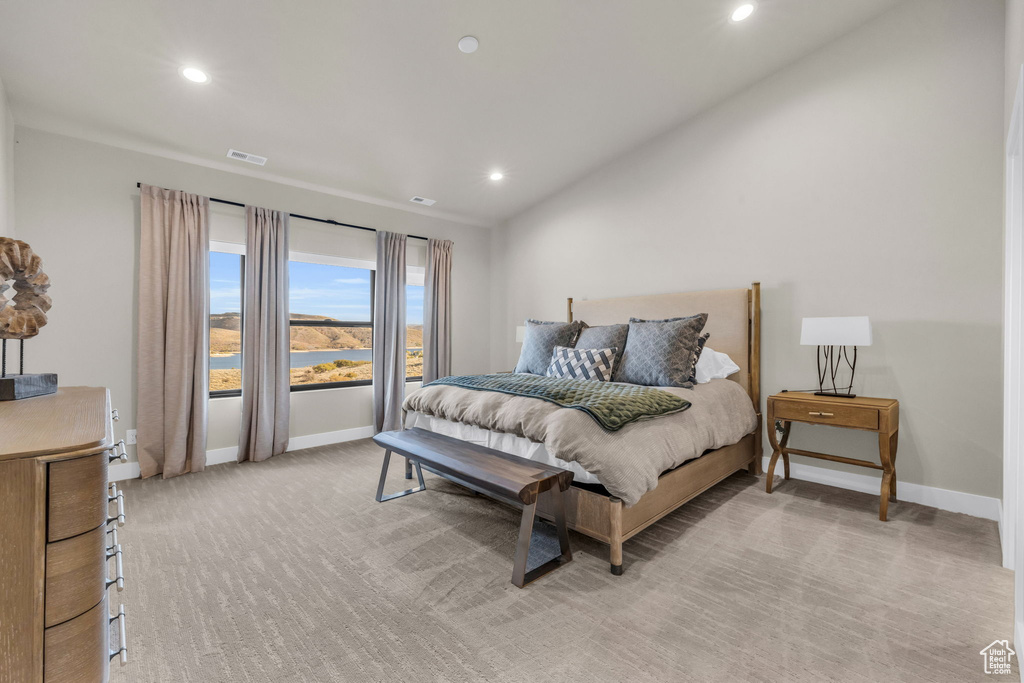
846	331
520	334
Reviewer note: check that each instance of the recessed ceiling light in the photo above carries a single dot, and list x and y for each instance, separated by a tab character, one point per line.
468	44
195	75
743	11
497	175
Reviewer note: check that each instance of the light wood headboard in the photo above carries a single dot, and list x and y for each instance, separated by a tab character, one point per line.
734	321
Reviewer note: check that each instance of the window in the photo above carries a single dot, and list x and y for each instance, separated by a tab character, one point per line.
331	319
226	274
331	314
414	332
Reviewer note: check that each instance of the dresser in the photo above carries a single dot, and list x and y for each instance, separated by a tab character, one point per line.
60	560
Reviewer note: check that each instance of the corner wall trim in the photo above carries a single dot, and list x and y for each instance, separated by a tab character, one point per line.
943	499
219	456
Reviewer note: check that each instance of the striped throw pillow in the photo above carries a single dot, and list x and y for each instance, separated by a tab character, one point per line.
595	364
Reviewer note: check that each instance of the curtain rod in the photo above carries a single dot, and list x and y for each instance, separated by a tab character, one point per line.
306	218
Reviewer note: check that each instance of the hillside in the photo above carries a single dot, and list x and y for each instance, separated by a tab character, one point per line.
225	335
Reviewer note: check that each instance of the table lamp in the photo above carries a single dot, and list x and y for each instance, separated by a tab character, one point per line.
832	336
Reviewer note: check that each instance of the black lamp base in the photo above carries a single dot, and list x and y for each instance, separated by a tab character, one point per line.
834	395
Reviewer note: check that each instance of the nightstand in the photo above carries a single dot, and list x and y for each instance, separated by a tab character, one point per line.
881	415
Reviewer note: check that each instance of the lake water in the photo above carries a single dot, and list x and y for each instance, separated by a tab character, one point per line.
299	360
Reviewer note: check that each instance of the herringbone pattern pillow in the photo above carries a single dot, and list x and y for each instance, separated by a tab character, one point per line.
659	353
593	364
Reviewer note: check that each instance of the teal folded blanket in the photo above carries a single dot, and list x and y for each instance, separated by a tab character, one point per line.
613	406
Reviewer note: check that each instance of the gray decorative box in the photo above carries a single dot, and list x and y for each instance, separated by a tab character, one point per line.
14	387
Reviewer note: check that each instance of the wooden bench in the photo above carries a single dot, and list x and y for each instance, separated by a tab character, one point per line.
511	479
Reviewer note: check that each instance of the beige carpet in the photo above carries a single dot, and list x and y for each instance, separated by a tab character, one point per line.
287	570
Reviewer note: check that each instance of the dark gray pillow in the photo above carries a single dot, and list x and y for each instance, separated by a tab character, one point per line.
540	342
604	337
659	353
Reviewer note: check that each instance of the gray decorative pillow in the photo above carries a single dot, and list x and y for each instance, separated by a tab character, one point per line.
592	364
659	353
604	337
540	342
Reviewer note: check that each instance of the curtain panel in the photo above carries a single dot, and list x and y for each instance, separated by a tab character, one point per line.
437	311
389	332
173	339
266	377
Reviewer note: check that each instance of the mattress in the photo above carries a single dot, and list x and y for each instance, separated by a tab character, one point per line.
716	418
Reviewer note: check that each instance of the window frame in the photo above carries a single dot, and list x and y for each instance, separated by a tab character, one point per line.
325	260
239	249
414	276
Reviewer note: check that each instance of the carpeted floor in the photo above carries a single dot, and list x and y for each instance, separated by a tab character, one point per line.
287	570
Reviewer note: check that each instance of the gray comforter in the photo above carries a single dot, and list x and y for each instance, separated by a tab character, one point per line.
628	462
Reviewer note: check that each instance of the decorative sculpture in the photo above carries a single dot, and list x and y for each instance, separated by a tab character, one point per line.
22	315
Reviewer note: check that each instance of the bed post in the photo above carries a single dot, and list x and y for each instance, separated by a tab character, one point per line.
568	307
755	373
615	534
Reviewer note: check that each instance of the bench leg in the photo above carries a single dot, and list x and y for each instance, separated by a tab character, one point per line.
380	497
521	577
408	468
523	545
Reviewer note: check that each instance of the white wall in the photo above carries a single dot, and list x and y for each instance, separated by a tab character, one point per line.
1014	45
865	179
79	209
6	166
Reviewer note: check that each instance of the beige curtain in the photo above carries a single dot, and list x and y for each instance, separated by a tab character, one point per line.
437	311
389	332
174	318
265	336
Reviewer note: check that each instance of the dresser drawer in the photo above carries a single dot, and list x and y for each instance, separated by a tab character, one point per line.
76	575
77	496
78	651
858	417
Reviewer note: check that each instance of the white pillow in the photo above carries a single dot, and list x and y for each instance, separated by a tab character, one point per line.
714	365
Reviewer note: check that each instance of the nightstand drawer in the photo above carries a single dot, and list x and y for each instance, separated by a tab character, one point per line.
817	412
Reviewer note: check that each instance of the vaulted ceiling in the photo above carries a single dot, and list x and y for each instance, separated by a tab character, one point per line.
373	97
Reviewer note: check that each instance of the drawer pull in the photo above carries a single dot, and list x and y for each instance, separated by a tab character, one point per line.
122	640
114	416
122	456
119	580
113	534
119	497
819	414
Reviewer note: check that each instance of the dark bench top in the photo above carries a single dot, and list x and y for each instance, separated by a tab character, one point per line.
490	470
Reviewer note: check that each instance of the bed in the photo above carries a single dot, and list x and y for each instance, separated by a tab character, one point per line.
734	321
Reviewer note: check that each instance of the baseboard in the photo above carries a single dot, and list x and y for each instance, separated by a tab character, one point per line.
943	499
219	456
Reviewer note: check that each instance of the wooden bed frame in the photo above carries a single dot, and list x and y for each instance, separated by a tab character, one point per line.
735	325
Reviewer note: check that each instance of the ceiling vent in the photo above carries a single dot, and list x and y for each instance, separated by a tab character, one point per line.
423	200
242	156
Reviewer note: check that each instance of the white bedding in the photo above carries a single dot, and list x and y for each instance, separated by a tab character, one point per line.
706	399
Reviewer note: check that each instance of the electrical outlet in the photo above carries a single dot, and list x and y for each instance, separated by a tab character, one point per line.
130	437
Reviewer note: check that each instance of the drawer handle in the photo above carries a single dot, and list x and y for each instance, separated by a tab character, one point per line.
122	644
114	494
122	456
819	414
113	544
119	580
114	416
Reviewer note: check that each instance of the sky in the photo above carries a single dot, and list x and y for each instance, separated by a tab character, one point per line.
314	289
